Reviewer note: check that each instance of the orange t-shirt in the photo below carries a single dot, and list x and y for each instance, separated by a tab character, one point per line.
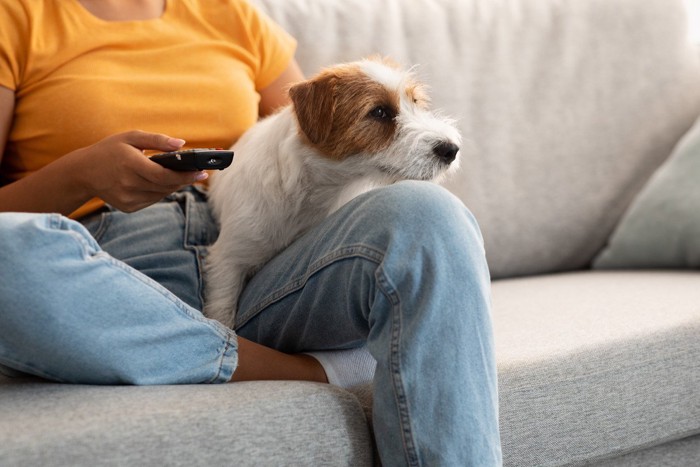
194	73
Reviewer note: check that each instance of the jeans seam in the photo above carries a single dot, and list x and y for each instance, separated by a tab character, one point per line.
29	369
85	248
384	284
228	344
165	293
221	362
224	335
105	221
184	202
187	203
295	284
199	254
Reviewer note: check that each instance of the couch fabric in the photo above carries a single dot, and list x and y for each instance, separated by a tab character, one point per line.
596	363
661	228
567	108
255	423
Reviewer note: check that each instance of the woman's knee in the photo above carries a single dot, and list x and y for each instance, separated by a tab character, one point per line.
15	226
35	239
424	209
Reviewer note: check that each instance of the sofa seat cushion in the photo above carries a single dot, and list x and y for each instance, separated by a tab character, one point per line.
595	364
680	453
276	423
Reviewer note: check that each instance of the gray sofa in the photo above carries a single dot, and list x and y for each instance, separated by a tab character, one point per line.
570	109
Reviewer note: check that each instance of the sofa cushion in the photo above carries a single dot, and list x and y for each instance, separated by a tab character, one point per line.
284	423
661	229
681	453
595	364
566	107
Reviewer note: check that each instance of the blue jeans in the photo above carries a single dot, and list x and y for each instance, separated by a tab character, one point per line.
401	269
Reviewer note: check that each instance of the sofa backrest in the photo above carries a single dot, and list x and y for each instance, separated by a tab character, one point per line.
566	107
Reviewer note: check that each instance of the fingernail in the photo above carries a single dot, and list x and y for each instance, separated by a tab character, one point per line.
176	142
201	176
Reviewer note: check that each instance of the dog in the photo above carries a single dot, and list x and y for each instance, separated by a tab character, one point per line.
351	128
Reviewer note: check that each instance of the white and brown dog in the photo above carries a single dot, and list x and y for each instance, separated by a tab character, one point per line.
351	128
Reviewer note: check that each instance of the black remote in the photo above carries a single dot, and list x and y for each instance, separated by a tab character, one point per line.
195	159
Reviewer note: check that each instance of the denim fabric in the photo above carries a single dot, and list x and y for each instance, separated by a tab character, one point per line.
167	241
401	268
70	312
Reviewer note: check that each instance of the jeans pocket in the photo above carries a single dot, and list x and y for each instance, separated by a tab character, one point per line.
97	223
201	228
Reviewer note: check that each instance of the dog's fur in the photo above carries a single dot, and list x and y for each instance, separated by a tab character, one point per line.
351	128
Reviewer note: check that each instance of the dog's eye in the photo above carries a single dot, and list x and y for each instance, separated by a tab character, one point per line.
381	113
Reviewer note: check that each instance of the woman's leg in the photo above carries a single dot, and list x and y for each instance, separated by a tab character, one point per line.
168	242
71	312
401	268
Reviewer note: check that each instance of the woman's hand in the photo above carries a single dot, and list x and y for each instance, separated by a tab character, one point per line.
115	170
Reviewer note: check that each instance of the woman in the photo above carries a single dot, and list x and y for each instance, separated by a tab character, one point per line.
115	297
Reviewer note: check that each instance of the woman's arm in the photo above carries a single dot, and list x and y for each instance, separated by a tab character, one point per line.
275	95
113	169
7	107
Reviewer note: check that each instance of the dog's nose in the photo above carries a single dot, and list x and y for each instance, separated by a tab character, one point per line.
446	151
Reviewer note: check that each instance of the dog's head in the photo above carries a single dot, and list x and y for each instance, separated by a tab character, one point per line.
375	111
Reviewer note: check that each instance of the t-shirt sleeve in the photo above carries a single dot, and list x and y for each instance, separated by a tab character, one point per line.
13	42
274	47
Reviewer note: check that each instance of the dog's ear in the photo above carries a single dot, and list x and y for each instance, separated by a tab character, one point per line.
314	104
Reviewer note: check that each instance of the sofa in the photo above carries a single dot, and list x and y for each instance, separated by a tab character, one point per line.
578	123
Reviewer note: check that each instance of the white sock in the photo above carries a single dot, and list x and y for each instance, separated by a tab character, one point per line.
347	368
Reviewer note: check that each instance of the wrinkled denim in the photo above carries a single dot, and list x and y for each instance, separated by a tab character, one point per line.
401	269
72	313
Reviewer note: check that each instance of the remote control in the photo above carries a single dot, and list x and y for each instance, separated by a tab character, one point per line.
195	159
